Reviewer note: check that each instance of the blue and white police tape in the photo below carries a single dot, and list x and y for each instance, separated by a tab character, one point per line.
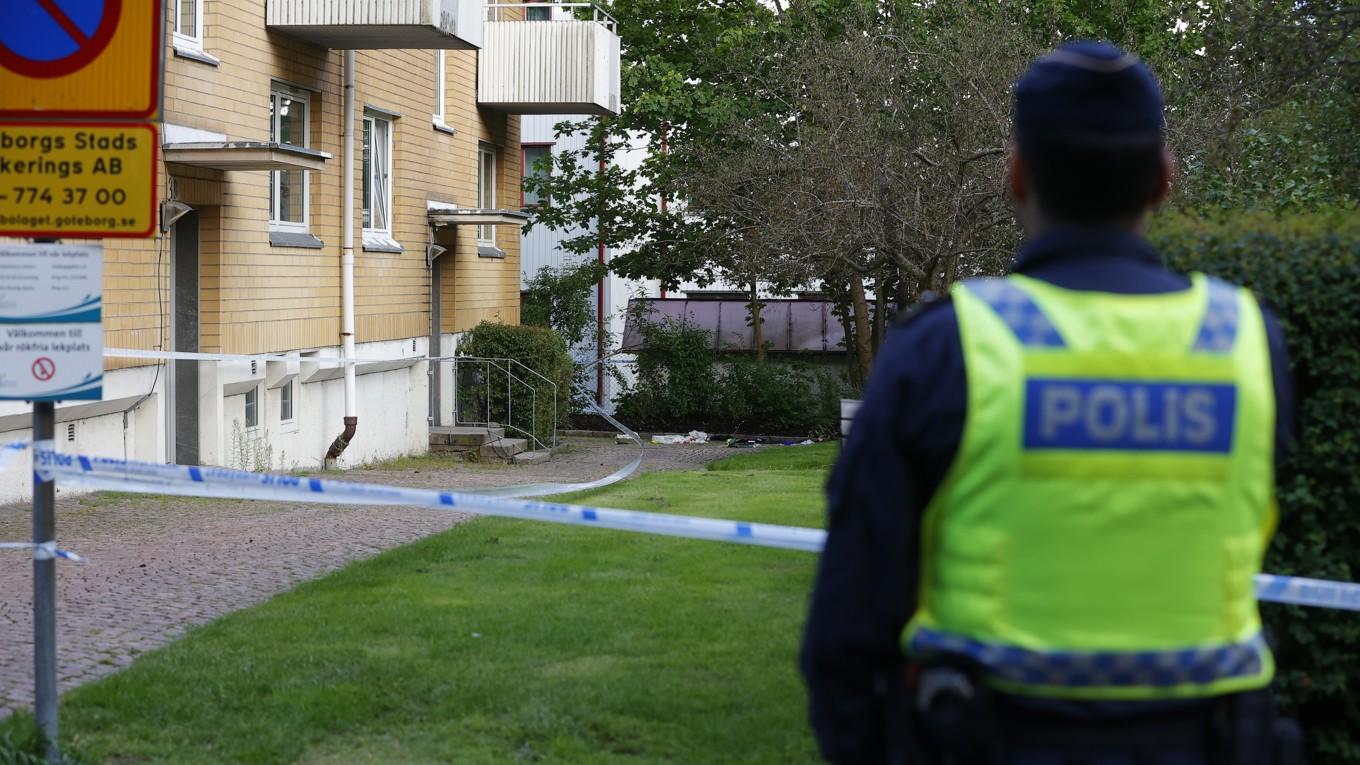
180	480
1308	592
9	451
43	550
152	478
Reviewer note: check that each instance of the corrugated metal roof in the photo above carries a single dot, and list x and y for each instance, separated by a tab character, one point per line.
788	325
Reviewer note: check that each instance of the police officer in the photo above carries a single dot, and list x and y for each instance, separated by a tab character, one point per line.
1060	483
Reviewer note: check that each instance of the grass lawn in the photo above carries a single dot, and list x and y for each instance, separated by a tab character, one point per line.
502	641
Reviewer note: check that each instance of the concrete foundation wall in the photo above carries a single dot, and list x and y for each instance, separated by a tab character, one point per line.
392	408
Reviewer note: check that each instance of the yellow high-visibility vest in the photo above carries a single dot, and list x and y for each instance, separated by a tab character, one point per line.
1113	494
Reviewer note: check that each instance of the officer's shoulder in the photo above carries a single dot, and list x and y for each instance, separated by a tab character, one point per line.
932	307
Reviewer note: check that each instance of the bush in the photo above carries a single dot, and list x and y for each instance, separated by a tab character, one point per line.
779	398
683	384
484	390
561	299
1307	268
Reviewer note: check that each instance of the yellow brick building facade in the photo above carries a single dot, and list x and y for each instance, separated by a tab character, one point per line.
252	165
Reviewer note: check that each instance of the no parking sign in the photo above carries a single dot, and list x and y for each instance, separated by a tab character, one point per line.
95	65
81	58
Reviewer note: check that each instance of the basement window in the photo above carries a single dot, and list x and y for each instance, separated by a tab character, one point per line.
286	403
253	408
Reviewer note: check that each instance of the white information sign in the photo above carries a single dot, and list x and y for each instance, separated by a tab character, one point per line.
51	322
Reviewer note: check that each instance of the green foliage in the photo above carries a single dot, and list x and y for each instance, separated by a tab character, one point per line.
1286	161
559	298
677	376
21	744
1307	268
484	389
780	398
683	384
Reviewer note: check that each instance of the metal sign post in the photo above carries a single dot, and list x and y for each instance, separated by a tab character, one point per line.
45	587
51	349
96	66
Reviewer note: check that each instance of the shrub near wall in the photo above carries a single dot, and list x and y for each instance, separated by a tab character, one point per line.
538	348
683	384
1307	268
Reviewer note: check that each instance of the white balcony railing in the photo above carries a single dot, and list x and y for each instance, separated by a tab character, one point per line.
549	58
369	24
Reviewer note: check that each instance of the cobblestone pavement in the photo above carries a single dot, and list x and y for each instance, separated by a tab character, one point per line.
159	565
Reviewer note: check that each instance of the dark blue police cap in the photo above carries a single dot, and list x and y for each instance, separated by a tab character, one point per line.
1088	92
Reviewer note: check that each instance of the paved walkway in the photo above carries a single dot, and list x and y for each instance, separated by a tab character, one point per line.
159	565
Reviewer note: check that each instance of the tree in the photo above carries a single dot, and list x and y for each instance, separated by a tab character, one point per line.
878	157
859	144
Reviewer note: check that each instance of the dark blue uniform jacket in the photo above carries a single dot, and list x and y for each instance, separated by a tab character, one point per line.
903	441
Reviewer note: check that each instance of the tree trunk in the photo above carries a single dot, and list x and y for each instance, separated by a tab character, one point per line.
880	314
863	349
851	351
757	333
927	282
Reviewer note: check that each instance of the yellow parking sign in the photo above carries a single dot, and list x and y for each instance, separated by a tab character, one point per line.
77	179
81	58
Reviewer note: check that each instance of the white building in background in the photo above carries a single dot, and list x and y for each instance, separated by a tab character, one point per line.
542	247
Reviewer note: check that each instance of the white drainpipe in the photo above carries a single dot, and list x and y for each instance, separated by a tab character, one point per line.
347	265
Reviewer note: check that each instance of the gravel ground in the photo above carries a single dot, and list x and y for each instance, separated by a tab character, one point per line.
159	565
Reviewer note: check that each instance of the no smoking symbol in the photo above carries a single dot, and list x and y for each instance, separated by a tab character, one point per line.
44	368
51	38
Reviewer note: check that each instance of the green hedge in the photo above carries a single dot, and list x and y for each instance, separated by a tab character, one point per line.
538	348
682	385
1307	268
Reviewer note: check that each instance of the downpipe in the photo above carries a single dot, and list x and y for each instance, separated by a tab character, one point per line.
342	441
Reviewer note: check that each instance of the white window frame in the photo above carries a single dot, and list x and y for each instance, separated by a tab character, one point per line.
192	42
376	183
292	403
245	408
486	233
441	87
276	90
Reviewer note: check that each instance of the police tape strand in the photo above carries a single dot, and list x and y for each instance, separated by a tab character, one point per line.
544	489
522	490
43	550
181	480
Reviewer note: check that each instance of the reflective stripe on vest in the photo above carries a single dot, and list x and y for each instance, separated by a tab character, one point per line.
1112	495
1188	668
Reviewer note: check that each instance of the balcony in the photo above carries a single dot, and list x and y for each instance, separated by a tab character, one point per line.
371	24
549	58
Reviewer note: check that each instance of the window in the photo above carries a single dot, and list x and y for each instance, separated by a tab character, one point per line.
532	154
286	402
288	123
486	188
378	175
253	407
189	23
538	13
440	82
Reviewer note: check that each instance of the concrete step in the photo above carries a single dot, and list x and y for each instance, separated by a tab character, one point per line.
464	437
503	449
533	458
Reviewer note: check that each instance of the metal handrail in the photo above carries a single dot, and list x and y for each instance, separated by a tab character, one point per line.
505	365
597	14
